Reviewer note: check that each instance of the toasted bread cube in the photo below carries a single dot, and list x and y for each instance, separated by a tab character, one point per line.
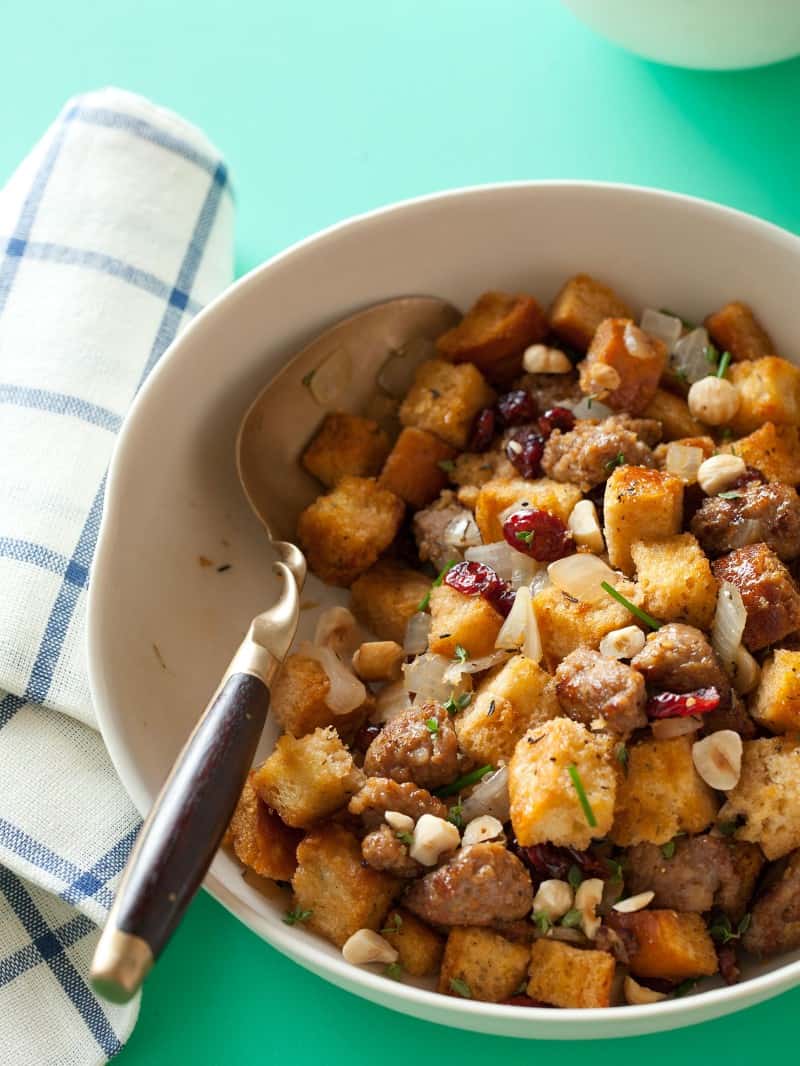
611	371
307	778
673	413
499	494
774	450
342	893
570	977
445	399
566	623
413	470
671	946
509	699
496	327
776	702
491	967
770	596
735	329
639	504
767	796
581	306
661	794
545	805
419	947
473	469
462	621
769	391
260	839
676	580
346	445
298	700
344	532
387	596
705	444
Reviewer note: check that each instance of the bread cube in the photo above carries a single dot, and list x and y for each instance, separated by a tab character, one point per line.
387	596
672	946
676	580
491	967
776	702
639	504
570	977
508	700
496	328
566	623
705	444
770	596
611	371
413	470
458	620
342	893
735	329
661	794
445	399
769	391
767	797
673	413
260	839
476	468
497	495
306	779
344	532
581	306
298	700
545	806
419	947
774	450
346	445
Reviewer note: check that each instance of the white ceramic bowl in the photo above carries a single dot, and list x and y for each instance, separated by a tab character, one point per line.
707	34
162	626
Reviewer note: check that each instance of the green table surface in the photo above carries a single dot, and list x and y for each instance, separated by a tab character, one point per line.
325	110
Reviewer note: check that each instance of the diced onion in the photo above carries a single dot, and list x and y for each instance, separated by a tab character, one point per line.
683	461
636	342
589	408
520	631
462	532
666	328
730	619
689	356
667	728
425	677
390	701
332	379
499	556
581	575
396	376
490	796
454	671
337	629
345	691
524	571
747	672
417	632
541	580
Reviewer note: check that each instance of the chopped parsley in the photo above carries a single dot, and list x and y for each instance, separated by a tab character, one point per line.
461	654
618	460
405	838
724	363
460	783
460	987
574	877
668	849
734	494
393	925
395	971
454	815
643	616
447	465
457	703
295	916
723	932
525	535
424	603
542	921
621	755
577	784
572	919
432	725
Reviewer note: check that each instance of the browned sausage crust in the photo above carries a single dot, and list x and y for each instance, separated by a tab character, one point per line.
551	390
429	529
590	686
760	513
678	658
384	850
770	595
381	794
481	884
587	454
418	745
775	923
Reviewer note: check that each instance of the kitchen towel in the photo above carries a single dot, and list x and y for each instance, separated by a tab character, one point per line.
114	232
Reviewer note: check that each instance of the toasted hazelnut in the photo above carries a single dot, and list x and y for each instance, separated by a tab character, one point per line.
554	898
539	359
713	400
401	823
365	946
635	903
432	837
603	378
587	900
485	827
637	994
622	643
719	472
718	759
585	526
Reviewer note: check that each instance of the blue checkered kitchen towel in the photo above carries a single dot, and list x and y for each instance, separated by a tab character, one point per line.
113	233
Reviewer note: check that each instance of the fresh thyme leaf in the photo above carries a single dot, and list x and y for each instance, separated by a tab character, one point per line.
618	460
454	815
432	725
574	877
541	920
724	363
424	603
457	703
668	849
734	494
637	611
447	465
393	925
295	916
461	988
461	654
525	535
744	924
621	755
405	838
572	919
395	971
577	784
460	783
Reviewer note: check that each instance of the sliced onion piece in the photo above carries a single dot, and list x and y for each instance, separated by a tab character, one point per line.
417	633
746	673
462	532
589	408
525	570
332	380
499	556
684	461
730	619
520	631
337	629
490	796
345	691
392	700
636	342
454	671
666	328
581	576
541	580
667	728
425	677
690	356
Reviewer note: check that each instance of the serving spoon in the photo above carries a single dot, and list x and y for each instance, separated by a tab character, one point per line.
178	841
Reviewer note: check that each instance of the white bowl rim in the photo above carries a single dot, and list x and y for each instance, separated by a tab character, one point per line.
583	1023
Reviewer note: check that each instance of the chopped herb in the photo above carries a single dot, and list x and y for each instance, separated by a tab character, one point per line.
575	777
447	465
292	917
724	363
426	599
525	535
461	988
668	849
684	987
591	398
618	460
711	353
734	494
395	971
572	919
457	703
394	924
542	921
723	932
490	712
574	876
616	869
308	378
405	838
621	755
727	829
744	924
464	782
637	611
432	725
454	815
461	654
223	568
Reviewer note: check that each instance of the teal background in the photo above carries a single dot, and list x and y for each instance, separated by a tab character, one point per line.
328	109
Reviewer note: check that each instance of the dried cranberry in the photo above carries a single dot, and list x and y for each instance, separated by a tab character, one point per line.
751	476
516	407
483	431
550	861
557	418
365	736
476	579
683	704
539	534
525	450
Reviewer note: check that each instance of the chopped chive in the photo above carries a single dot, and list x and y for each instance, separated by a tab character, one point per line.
575	777
292	917
643	616
393	925
464	782
457	703
541	920
668	849
461	988
405	838
618	460
724	363
461	654
447	465
574	877
395	971
432	725
424	603
454	816
621	755
712	354
734	494
572	919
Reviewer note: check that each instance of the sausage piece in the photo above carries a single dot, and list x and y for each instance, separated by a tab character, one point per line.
770	595
384	850
589	686
678	658
409	748
760	513
775	922
586	455
381	794
430	526
479	885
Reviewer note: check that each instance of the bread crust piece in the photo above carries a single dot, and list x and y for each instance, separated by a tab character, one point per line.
346	445
260	839
776	702
672	946
387	596
675	577
774	450
674	415
769	391
498	327
570	977
766	797
298	700
419	947
413	471
445	399
581	306
639	504
610	358
490	966
735	329
498	494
